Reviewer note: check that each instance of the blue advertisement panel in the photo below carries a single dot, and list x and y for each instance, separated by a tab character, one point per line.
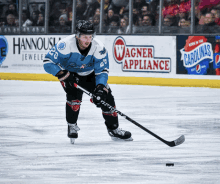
198	55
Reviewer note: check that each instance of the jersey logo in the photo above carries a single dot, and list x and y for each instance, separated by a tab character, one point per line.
83	66
102	51
61	46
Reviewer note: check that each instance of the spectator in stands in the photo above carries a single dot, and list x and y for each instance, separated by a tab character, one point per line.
125	16
209	19
96	20
63	9
183	26
80	9
182	14
62	26
144	10
119	6
92	5
111	15
136	11
10	20
216	13
170	8
121	12
54	13
124	27
210	25
97	11
69	11
106	5
42	8
154	7
96	23
185	5
170	20
5	6
25	19
144	24
202	17
33	8
208	4
138	4
147	20
34	18
183	23
40	21
12	10
113	24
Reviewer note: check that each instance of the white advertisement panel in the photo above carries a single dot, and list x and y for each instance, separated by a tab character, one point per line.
144	56
25	54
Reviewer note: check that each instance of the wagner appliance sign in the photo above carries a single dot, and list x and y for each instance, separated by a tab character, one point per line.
139	58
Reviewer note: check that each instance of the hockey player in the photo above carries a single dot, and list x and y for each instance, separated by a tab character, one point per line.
83	59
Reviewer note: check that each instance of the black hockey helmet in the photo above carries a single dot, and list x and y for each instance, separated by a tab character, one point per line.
84	27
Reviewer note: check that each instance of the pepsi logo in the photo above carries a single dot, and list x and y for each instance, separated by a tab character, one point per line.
198	68
119	47
217	59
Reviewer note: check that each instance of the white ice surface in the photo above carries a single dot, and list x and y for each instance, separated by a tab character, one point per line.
34	147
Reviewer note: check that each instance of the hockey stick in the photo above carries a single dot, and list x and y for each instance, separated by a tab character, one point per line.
176	142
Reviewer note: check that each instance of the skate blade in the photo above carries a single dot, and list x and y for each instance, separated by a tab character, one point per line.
118	139
72	140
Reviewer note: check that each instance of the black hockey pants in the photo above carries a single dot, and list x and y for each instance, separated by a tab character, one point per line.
74	99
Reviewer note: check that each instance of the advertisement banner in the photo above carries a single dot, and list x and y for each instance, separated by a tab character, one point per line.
198	55
25	54
139	56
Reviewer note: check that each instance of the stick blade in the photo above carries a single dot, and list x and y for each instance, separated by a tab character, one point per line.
180	140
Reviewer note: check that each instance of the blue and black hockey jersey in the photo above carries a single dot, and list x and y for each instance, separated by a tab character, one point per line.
65	55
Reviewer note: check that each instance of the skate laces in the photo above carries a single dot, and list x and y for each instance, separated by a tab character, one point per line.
73	128
119	131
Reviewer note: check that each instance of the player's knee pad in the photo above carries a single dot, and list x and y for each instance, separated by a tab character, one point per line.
74	105
72	111
110	113
111	119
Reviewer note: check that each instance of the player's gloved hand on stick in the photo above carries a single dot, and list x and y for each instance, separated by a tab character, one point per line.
67	79
101	93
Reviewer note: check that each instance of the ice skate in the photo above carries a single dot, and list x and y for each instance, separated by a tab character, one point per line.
72	132
119	134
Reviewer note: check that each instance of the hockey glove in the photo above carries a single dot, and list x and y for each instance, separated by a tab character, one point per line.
67	80
101	93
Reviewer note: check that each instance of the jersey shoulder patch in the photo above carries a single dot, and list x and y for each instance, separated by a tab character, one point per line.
63	46
100	49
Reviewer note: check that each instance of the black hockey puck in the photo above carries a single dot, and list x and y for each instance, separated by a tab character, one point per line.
169	164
